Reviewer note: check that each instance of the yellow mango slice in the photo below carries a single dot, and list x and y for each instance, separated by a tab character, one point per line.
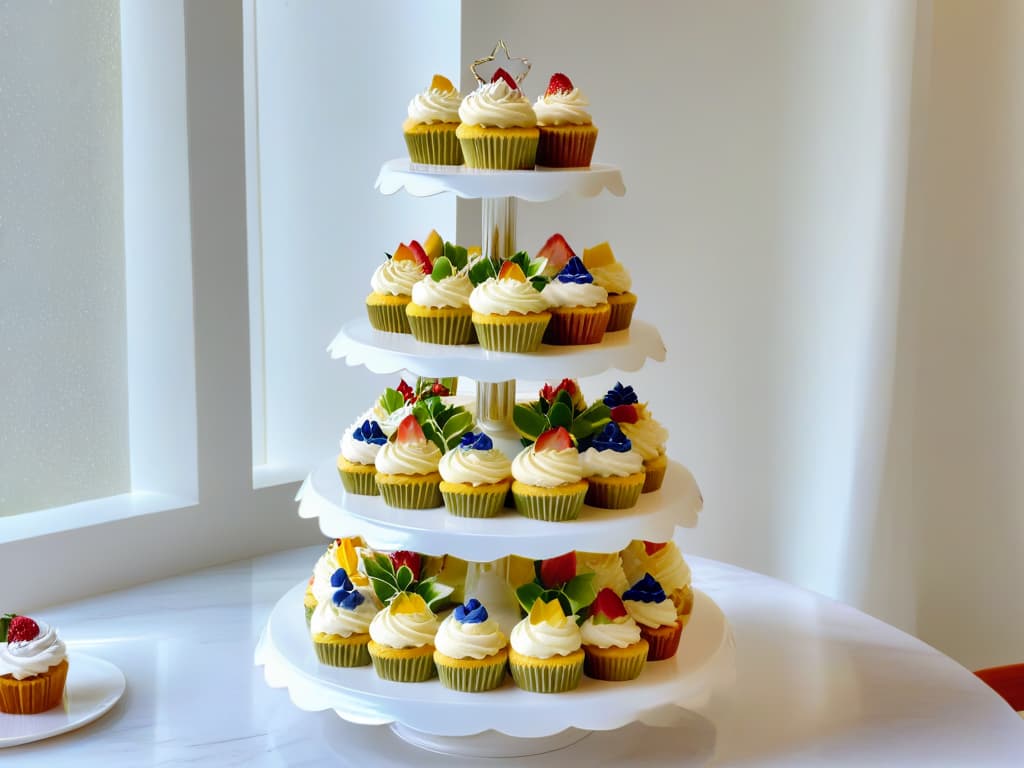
547	613
404	253
408	602
441	83
511	271
599	256
433	245
347	557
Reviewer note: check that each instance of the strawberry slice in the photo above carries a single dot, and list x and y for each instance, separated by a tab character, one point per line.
421	256
653	546
625	414
557	439
21	629
501	74
558	83
607	606
409	431
556	571
511	271
557	252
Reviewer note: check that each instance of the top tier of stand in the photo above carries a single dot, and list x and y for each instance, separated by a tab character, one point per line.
535	186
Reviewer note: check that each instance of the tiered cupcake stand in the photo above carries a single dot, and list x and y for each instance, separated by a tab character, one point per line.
507	721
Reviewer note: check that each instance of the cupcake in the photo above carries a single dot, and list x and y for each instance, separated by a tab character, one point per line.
430	127
645	434
648	605
407	473
439	312
548	479
612	640
499	127
340	625
342	553
607	570
359	448
391	408
33	666
471	650
545	653
567	133
475	477
509	313
392	284
665	563
402	640
614	471
613	277
579	309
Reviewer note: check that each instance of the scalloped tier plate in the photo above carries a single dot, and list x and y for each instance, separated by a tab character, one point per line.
704	660
536	186
435	532
359	343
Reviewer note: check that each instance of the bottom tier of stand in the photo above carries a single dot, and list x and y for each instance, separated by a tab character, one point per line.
506	721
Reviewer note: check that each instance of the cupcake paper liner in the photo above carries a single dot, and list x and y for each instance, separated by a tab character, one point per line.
359	483
500	153
35	694
663	642
442	329
622	306
520	334
416	495
655	476
607	495
342	654
415	669
566	146
577	325
547	679
615	666
486	504
471	679
388	317
437	146
555	509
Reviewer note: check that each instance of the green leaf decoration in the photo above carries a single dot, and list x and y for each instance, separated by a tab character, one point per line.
403	578
5	623
456	255
387	256
528	593
564	398
442	269
560	415
433	592
483	269
391	400
528	422
590	421
458	425
538	283
580	591
430	432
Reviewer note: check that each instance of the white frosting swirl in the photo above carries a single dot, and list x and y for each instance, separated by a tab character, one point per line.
403	630
666	565
388	422
500	297
561	294
610	463
29	658
396	278
564	108
613	277
647	436
618	633
496	105
419	457
358	451
607	570
474	467
652	615
331	619
544	640
469	641
547	469
434	106
451	291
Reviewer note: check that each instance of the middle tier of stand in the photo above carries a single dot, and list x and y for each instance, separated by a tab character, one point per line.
436	532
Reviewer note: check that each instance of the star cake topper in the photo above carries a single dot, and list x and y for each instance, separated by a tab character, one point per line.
483	69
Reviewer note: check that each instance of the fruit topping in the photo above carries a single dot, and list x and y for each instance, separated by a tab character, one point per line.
549	612
599	256
607	607
471	613
558	83
549	393
557	439
421	256
472	441
408	602
611	438
410	431
403	253
22	629
650	547
625	414
405	391
511	271
411	559
340	580
557	252
556	571
433	245
439	389
501	74
620	395
441	83
574	271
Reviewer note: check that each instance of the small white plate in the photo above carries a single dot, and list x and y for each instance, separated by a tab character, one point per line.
94	686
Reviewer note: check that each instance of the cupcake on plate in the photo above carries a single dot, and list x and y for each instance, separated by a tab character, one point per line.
402	640
545	653
340	625
645	434
499	127
579	308
614	278
475	477
510	314
33	666
359	448
439	312
647	603
342	553
429	129
612	640
665	563
614	471
548	481
392	284
567	132
471	650
407	473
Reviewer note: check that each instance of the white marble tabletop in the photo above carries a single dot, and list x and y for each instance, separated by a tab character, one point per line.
817	683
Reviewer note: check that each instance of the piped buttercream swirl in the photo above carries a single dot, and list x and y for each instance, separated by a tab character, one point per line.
501	297
434	106
544	640
495	105
469	640
474	467
419	457
396	278
28	658
403	630
615	634
547	469
563	108
331	619
451	291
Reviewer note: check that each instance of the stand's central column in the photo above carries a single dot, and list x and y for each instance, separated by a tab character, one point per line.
499	226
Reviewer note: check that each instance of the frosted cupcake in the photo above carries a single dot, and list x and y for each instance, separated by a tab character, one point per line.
33	666
612	640
665	563
648	605
545	654
509	314
402	640
607	570
614	278
645	434
407	473
359	448
579	308
429	129
614	471
499	127
548	479
439	312
475	477
471	650
392	284
342	553
340	624
567	133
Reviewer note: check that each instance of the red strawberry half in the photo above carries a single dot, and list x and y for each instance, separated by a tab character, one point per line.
557	439
411	559
421	256
501	74
557	252
409	431
607	606
653	546
22	628
440	389
556	571
558	83
625	414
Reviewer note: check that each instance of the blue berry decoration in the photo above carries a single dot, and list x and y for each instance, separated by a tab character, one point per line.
620	395
611	438
340	579
574	272
472	612
370	432
475	442
348	600
647	590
